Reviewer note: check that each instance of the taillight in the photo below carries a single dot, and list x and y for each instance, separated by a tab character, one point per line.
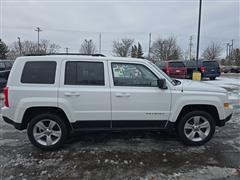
168	70
202	69
5	92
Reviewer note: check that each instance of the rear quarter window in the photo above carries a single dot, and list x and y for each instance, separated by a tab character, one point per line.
39	72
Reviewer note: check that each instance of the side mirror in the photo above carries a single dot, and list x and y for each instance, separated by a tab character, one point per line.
162	83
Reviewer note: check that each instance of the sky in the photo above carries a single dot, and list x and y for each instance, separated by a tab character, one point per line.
68	23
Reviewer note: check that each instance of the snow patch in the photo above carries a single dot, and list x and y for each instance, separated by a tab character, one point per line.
204	173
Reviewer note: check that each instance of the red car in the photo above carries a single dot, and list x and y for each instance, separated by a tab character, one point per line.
173	68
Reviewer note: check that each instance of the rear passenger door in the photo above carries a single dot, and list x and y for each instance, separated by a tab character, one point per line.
85	94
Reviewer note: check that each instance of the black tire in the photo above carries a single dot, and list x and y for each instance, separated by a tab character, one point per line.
212	78
60	122
185	118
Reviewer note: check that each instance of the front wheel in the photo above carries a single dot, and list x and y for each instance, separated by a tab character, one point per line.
47	131
196	128
212	78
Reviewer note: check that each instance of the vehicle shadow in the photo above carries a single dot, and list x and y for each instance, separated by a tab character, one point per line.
107	136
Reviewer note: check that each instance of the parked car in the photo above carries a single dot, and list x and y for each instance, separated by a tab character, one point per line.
5	67
235	69
173	68
52	96
225	69
208	68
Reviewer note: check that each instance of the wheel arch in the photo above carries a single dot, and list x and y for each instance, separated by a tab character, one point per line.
33	111
211	109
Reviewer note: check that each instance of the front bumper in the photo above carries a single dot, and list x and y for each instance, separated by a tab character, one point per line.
18	126
222	122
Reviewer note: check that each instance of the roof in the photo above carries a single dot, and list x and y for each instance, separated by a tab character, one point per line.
178	60
82	57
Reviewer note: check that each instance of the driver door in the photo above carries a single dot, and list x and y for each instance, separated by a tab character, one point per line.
135	97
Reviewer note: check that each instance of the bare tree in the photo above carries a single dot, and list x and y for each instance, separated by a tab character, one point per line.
213	51
122	48
88	47
30	47
3	50
53	48
166	49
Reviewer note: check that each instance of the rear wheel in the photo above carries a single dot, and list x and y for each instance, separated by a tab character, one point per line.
196	128
47	131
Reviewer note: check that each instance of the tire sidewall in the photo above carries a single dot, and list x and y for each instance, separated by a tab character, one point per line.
180	127
54	118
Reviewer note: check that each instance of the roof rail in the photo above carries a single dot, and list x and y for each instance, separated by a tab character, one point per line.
100	55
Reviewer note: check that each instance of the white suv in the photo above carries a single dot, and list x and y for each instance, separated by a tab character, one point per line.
54	95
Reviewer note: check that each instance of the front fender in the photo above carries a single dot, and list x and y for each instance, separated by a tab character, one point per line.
180	101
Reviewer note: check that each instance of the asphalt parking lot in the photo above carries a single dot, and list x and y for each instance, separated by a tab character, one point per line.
123	155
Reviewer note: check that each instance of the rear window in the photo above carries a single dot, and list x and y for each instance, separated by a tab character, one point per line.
84	73
39	72
210	63
176	64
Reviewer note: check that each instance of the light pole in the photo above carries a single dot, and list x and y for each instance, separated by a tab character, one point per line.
100	43
38	31
196	75
20	46
198	38
149	45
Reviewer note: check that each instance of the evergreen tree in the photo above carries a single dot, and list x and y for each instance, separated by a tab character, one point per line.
3	50
139	51
236	57
134	52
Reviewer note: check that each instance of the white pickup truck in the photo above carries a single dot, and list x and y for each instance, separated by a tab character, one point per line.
54	95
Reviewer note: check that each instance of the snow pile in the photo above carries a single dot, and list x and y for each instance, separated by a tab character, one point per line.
226	82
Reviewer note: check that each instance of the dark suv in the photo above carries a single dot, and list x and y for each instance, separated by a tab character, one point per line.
208	68
5	67
173	68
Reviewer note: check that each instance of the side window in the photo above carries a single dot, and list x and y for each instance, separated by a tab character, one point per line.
8	65
84	73
39	72
133	75
2	66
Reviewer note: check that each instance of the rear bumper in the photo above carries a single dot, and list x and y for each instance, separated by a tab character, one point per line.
178	76
210	75
18	126
222	122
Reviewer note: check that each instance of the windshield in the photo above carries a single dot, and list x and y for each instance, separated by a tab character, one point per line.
210	63
163	73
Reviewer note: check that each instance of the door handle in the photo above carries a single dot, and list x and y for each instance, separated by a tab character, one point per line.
122	95
71	94
119	95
